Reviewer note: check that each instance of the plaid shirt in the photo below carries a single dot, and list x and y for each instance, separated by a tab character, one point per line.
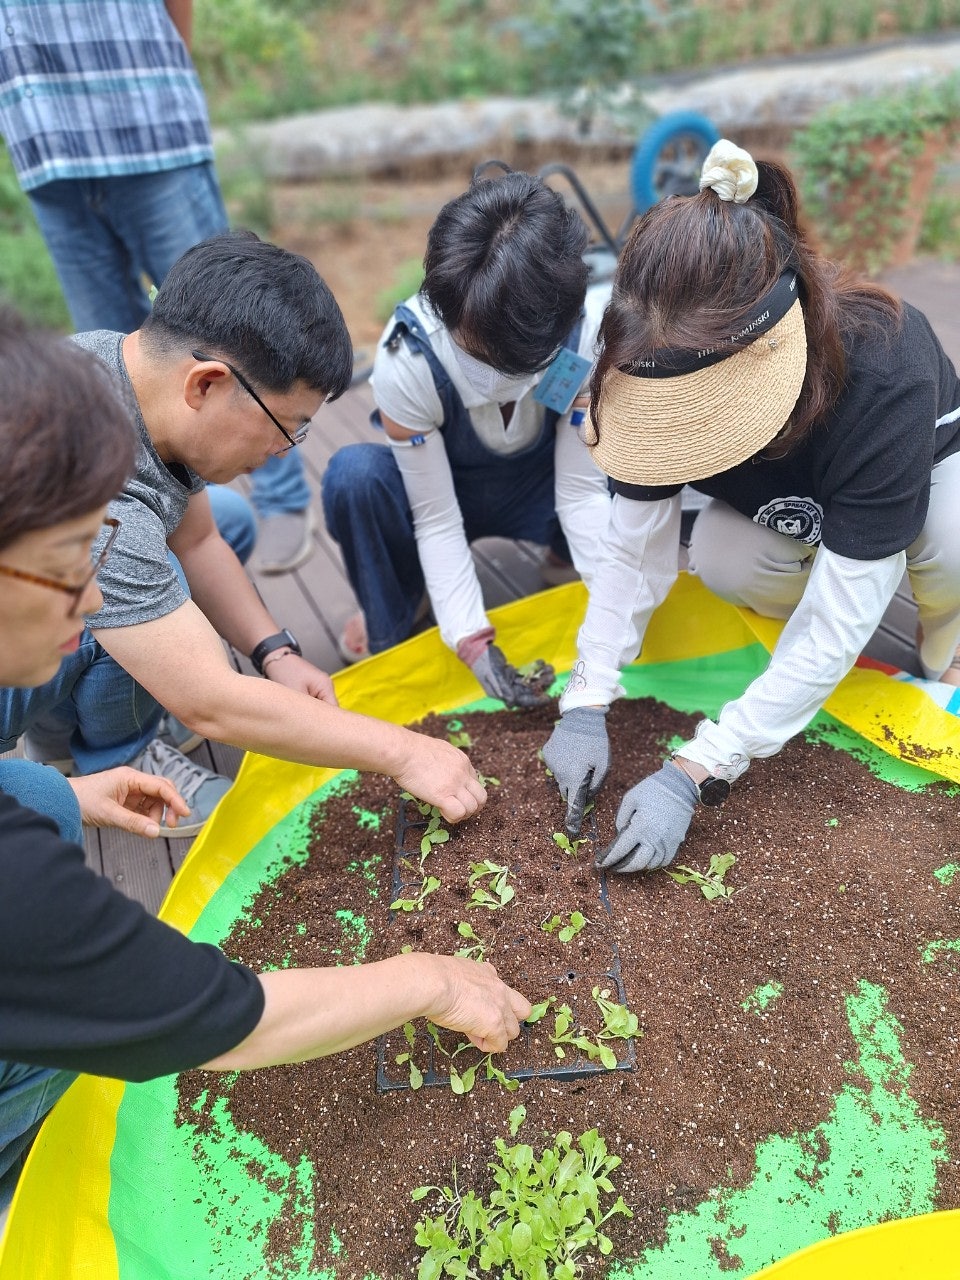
91	89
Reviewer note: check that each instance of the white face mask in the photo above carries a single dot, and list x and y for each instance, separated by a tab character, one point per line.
499	388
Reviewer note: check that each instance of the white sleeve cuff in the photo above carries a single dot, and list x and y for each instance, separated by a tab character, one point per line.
841	607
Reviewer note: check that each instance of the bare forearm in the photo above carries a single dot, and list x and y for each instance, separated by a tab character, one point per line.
309	1013
181	15
221	590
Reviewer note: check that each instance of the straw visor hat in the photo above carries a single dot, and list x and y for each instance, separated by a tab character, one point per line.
686	415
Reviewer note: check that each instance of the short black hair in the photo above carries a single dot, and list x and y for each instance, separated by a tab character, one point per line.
67	441
267	309
504	270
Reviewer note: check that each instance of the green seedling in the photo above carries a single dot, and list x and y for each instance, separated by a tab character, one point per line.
517	1117
435	833
479	948
565	932
429	884
496	892
422	805
414	1074
618	1023
543	1214
486	781
563	841
710	884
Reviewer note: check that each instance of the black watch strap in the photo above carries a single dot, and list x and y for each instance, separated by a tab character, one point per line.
282	640
712	790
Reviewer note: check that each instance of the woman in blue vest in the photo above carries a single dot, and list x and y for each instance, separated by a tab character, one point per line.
474	381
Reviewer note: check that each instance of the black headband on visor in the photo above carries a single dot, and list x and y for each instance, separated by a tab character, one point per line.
669	362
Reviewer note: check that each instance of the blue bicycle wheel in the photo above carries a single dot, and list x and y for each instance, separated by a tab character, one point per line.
668	158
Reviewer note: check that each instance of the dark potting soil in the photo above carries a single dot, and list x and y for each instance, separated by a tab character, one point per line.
834	886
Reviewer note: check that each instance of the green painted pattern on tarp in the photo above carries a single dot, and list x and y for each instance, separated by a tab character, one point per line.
357	933
208	1214
875	1157
947	874
761	997
367	820
943	946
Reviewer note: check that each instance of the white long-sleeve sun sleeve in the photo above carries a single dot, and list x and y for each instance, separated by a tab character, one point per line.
841	607
636	567
582	499
445	558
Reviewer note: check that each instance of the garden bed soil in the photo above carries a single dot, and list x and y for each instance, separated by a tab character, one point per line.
742	1003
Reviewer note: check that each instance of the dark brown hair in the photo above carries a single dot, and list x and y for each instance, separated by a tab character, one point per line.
67	443
504	269
694	268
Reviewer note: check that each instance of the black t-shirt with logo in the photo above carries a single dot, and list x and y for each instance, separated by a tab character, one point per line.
860	482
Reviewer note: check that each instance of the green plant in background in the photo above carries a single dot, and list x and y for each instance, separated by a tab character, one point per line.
860	172
588	50
710	883
28	280
247	190
940	230
406	281
255	60
541	1216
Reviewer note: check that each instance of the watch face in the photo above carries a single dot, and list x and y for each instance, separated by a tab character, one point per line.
714	791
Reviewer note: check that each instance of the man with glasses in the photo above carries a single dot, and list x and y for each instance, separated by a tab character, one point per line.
477	445
244	344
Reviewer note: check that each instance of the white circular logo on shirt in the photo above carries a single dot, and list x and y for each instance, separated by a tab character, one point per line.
797	518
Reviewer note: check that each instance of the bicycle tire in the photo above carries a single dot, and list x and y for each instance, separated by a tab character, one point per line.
668	157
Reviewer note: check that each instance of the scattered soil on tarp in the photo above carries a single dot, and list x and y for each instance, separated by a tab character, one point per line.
742	1002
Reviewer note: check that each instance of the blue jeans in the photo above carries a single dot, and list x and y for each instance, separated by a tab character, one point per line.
106	234
43	789
366	510
92	709
26	1095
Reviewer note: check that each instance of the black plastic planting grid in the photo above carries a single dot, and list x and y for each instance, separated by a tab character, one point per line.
571	987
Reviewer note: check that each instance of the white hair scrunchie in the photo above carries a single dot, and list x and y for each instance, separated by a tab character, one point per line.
730	171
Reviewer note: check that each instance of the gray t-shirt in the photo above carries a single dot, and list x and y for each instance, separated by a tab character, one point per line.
138	581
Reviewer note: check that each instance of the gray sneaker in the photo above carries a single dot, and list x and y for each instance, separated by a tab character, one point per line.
284	541
201	789
173	733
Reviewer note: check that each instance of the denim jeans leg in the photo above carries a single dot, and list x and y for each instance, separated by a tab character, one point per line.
234	518
93	266
280	486
92	703
41	788
27	1094
366	510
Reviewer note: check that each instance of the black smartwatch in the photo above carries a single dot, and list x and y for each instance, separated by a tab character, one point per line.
712	791
282	640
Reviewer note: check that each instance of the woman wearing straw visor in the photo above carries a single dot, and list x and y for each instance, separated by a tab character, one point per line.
89	981
820	416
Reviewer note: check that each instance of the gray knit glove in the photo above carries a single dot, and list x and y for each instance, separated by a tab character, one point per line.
652	822
578	756
500	680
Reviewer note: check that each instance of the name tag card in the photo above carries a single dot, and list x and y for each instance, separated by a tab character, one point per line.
562	380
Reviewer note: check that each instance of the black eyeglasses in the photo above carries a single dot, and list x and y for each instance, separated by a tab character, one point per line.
78	590
298	436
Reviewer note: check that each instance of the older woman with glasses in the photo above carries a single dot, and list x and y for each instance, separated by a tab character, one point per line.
90	981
